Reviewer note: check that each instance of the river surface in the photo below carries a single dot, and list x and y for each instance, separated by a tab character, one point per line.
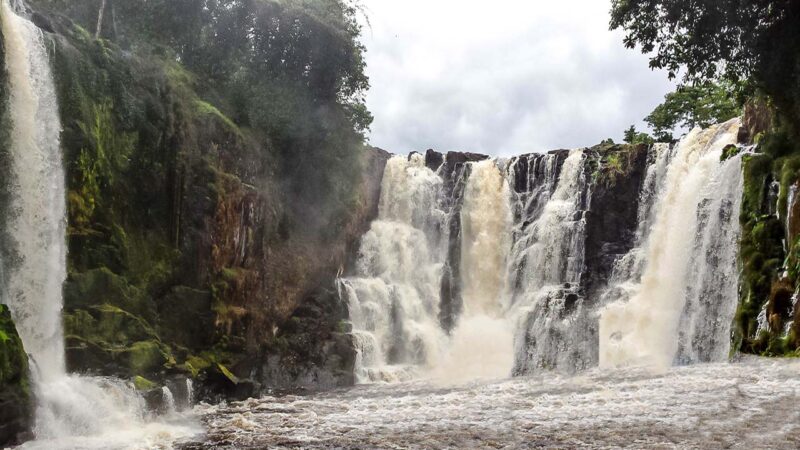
749	404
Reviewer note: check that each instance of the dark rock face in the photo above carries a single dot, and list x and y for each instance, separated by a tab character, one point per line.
612	217
16	401
313	350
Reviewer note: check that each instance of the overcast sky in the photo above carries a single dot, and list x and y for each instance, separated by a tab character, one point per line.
502	76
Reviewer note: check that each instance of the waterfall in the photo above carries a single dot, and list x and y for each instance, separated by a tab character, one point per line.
681	308
486	224
37	221
394	297
512	287
480	344
68	407
547	262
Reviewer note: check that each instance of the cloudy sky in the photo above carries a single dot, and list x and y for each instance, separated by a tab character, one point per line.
502	77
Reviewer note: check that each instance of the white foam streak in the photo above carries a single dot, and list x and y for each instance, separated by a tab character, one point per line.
37	220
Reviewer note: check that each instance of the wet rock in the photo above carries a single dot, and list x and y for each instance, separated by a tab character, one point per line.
42	22
16	401
313	351
433	159
612	220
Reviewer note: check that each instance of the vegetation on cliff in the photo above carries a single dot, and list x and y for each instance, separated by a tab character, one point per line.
728	52
16	399
214	154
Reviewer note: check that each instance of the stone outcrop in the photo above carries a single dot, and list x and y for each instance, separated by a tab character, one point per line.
612	217
16	401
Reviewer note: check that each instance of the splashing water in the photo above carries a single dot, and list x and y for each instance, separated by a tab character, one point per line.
479	345
522	240
684	408
72	411
696	220
394	299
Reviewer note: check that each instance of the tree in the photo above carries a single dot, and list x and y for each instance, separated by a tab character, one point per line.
702	104
736	40
634	137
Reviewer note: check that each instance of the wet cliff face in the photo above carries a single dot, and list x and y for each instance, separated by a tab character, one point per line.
767	319
612	216
16	399
189	251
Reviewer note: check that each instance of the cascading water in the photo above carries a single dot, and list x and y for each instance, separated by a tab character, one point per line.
394	299
519	302
547	262
37	220
97	412
479	345
682	308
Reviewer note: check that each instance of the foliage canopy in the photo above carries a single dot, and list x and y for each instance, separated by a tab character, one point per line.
736	40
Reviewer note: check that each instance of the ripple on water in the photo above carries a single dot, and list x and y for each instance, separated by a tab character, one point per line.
750	404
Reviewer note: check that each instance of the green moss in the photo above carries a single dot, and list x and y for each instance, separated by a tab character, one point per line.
228	374
764	258
729	152
195	365
206	109
146	357
15	388
615	162
143	384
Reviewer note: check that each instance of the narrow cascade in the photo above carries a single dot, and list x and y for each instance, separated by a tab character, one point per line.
35	261
627	271
481	342
37	224
394	297
682	308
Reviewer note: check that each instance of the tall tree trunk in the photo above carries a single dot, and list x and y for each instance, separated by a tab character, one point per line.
115	36
100	19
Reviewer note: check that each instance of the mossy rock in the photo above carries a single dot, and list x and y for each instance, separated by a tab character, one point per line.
146	357
185	317
143	384
108	324
103	287
16	400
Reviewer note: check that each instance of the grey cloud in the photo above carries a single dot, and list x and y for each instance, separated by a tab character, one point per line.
539	86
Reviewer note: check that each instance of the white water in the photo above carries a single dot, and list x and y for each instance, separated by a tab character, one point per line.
547	260
479	344
37	220
671	299
747	405
394	298
550	252
688	262
72	411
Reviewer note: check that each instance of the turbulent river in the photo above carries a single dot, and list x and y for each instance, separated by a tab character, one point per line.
746	405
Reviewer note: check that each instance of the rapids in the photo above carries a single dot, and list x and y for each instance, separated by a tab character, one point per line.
745	405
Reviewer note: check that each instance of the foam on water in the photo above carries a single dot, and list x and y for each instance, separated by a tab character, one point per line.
746	405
